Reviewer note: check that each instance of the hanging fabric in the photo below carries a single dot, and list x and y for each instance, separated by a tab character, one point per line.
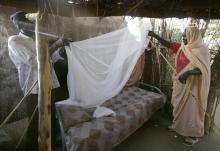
100	67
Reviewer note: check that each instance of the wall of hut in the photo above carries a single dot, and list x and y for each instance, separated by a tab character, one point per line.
156	72
10	91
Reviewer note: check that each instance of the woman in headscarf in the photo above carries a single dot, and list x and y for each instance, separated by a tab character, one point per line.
191	82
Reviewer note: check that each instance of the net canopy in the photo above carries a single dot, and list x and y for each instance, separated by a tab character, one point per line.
99	67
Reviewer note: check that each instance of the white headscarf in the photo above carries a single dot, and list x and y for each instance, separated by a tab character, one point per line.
193	37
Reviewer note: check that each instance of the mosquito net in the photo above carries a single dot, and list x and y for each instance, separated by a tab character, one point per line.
99	67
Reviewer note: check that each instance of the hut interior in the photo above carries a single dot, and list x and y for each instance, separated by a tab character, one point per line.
83	19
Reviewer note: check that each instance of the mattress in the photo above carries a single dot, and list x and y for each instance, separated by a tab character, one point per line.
133	107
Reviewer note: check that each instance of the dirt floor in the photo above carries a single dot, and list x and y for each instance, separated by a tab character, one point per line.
153	136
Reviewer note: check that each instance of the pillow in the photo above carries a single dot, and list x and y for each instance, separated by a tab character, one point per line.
72	115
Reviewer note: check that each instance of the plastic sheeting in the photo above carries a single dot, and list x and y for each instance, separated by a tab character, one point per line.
100	67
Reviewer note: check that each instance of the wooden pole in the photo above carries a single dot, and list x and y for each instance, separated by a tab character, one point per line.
44	83
204	27
214	93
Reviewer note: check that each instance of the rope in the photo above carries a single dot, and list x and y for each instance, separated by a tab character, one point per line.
191	93
207	114
17	106
135	6
53	14
167	61
25	131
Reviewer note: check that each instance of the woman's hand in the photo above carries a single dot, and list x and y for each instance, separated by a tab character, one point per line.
183	77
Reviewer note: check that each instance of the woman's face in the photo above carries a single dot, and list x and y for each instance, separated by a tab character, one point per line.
184	37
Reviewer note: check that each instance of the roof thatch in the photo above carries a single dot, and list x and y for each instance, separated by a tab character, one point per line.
209	9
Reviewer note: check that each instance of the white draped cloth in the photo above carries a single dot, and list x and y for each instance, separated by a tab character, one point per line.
100	67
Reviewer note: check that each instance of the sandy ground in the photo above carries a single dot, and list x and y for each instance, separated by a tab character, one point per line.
153	136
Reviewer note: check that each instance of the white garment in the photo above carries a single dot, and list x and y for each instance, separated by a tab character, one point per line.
100	67
22	51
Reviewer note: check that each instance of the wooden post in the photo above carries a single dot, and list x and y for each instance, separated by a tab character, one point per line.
44	83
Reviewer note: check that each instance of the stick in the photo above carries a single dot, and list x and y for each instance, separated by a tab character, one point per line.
44	83
17	106
191	93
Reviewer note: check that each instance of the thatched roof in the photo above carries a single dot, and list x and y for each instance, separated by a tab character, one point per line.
208	9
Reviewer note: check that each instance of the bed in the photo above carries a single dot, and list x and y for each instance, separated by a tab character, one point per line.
133	107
